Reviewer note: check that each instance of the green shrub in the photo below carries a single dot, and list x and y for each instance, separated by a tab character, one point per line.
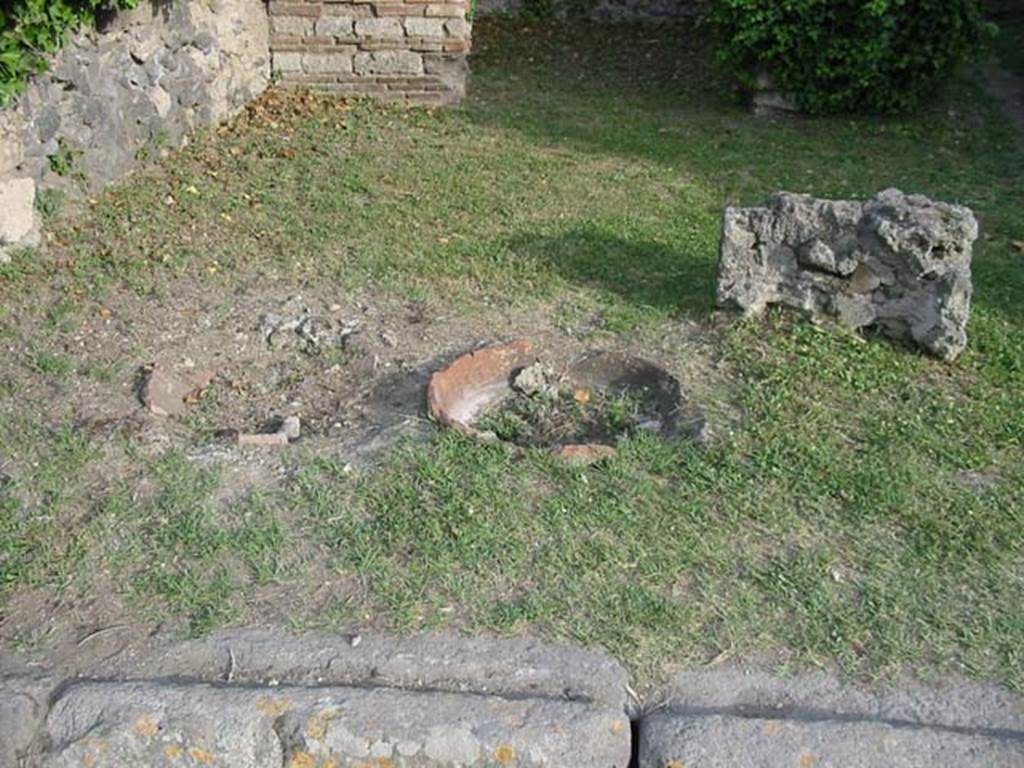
849	55
31	29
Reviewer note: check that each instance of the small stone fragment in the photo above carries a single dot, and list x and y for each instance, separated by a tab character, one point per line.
291	427
536	380
169	393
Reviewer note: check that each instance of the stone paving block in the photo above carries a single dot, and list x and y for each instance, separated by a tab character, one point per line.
719	719
174	724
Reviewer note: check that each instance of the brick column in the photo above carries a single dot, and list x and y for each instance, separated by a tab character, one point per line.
411	51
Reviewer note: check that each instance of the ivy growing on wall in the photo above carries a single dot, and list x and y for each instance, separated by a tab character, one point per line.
32	29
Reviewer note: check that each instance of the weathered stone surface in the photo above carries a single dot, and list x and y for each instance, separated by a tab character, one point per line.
727	719
321	63
389	28
388	63
335	26
23	707
899	263
19	224
156	724
12	140
512	668
417	27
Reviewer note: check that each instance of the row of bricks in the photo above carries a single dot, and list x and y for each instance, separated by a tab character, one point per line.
298	45
348	27
365	10
363	64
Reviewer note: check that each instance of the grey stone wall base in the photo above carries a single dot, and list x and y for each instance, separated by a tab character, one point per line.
255	699
716	719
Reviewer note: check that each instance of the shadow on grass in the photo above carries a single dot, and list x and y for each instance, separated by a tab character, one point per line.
652	94
643	274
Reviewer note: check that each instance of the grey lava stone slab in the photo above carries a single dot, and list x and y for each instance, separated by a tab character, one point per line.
238	726
719	719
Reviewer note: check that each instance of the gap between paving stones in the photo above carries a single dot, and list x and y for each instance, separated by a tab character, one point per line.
252	698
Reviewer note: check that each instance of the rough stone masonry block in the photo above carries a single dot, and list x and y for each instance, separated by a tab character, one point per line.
388	63
287	62
327	63
335	26
378	29
291	25
164	724
899	263
423	27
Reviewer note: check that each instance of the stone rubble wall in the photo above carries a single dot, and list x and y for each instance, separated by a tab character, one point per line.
412	52
134	89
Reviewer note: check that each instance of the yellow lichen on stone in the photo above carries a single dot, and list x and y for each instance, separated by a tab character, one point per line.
385	762
145	726
302	760
808	761
772	727
505	754
316	726
273	707
619	726
675	764
173	751
201	755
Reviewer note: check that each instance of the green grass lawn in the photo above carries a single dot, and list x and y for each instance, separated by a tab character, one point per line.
865	510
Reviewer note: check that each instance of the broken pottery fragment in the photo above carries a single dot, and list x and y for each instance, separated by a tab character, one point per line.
167	392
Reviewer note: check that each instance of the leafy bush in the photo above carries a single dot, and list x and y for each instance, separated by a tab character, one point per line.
849	55
30	29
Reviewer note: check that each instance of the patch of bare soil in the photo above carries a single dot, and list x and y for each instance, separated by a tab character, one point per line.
354	370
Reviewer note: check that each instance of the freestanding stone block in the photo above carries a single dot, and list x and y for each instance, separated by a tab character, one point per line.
899	263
